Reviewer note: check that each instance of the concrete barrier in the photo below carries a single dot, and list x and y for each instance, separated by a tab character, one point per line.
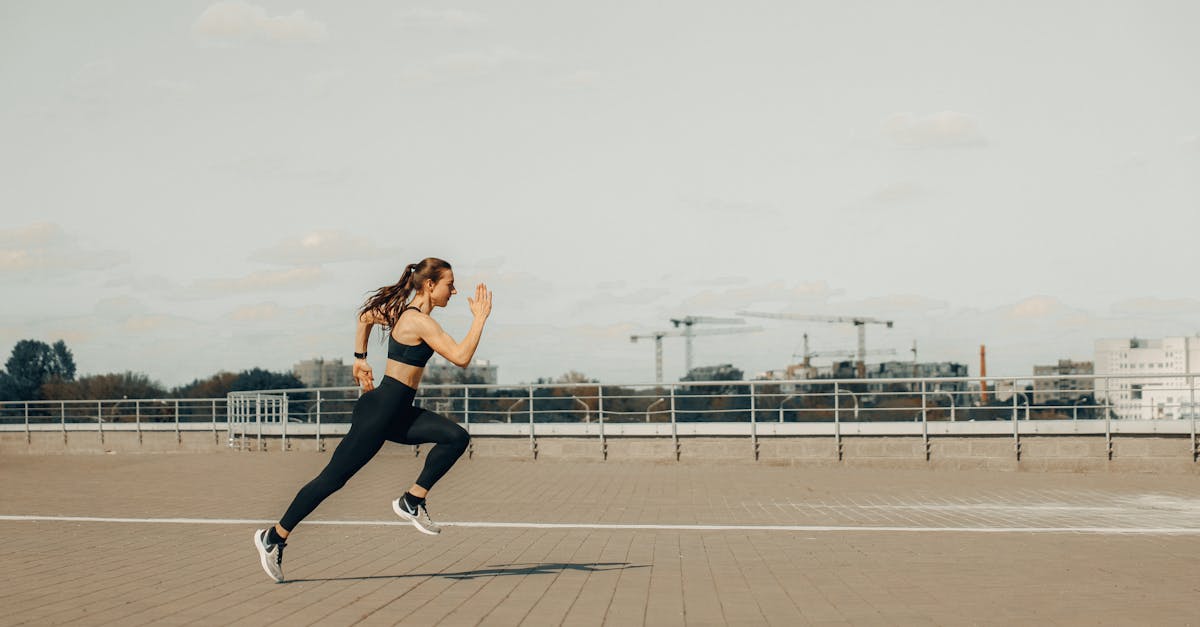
1171	452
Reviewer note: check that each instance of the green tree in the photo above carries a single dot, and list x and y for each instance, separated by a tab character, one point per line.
259	379
32	365
116	385
215	386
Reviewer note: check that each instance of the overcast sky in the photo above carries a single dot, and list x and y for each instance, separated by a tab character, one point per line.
195	186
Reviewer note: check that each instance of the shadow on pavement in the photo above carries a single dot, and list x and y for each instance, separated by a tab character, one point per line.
498	570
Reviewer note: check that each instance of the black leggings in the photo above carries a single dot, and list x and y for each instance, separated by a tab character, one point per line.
385	413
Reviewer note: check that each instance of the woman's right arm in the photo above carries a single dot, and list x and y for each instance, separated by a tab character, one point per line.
362	369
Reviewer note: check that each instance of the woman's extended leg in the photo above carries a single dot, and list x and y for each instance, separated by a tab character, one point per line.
368	431
366	437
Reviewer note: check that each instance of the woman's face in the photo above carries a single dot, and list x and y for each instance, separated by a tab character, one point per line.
443	289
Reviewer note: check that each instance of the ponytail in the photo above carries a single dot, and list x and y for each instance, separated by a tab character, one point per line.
389	300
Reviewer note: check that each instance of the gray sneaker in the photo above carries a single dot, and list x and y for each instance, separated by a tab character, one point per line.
271	555
419	516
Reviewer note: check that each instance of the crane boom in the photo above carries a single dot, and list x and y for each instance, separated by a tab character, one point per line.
860	322
687	333
688	321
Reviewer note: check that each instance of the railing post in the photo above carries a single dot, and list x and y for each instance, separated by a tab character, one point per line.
600	418
674	427
837	403
1016	423
1108	420
100	420
925	420
1193	412
467	420
214	420
320	447
753	424
532	439
137	418
466	404
29	437
837	419
283	421
62	413
258	420
178	435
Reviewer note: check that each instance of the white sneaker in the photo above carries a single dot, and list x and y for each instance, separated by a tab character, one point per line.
419	517
271	555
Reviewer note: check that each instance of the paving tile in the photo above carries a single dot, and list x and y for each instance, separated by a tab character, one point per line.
1124	552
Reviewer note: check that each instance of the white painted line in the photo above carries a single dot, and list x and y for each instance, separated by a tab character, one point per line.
621	527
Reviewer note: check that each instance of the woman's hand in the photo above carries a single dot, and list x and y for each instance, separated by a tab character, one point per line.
481	305
363	375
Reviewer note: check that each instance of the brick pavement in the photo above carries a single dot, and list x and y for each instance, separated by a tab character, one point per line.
862	546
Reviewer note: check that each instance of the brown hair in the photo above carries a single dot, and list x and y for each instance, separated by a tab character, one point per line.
389	300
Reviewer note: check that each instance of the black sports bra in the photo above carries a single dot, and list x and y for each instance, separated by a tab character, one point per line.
407	354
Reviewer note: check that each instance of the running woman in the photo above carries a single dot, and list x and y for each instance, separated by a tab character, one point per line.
387	413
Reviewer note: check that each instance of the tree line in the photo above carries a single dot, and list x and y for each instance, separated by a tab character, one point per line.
38	371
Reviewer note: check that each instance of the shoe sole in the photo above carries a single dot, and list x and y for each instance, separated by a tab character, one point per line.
410	518
263	557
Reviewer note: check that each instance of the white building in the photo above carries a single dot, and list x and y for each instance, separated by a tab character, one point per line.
1144	391
322	373
440	371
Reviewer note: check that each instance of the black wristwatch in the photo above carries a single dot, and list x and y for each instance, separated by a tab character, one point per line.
360	355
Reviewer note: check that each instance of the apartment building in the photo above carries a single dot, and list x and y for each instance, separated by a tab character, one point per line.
1140	386
1069	384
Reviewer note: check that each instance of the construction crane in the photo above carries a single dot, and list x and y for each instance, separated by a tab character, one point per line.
860	322
808	355
687	321
688	332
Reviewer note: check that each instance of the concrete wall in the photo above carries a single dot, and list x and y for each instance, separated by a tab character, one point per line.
1072	453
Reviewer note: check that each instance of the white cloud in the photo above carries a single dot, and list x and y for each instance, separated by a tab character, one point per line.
263	312
776	295
1157	306
293	279
471	64
895	303
947	129
582	78
898	192
1034	307
298	168
43	249
318	247
37	234
139	324
424	17
890	195
174	87
238	22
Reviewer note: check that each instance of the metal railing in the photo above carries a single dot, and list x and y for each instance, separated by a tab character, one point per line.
761	408
138	415
837	407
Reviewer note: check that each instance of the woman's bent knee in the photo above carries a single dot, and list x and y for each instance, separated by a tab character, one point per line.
460	438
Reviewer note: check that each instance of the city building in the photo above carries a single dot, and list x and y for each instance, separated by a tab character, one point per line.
925	370
1140	386
441	372
322	373
1068	385
722	372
